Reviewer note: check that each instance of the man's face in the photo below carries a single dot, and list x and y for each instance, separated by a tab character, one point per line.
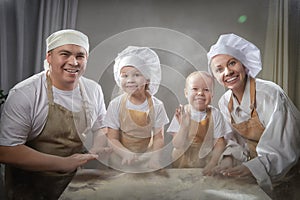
67	64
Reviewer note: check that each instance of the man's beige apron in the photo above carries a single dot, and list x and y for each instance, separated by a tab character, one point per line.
198	154
59	137
135	131
252	129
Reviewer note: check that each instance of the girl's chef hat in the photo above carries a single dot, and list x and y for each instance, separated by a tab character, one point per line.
145	60
239	48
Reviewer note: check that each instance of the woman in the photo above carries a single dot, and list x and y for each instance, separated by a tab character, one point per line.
261	112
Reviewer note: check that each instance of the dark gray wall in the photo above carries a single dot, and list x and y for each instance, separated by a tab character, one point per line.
184	31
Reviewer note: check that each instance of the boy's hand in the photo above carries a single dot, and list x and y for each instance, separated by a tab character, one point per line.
182	115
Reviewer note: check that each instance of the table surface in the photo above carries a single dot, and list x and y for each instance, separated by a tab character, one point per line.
164	185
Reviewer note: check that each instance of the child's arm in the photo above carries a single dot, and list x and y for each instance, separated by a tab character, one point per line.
100	142
127	156
216	154
180	138
158	143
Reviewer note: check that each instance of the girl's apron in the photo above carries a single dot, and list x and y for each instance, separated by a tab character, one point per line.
251	129
59	137
201	140
135	132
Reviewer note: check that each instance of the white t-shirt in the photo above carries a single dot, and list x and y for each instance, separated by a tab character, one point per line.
221	126
278	148
113	110
25	111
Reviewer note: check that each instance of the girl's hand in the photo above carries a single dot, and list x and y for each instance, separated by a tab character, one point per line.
129	158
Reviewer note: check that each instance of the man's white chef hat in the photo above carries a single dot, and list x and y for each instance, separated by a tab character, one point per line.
239	48
63	37
145	60
67	36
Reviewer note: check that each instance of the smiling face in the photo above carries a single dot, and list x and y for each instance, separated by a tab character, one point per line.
132	80
229	72
198	91
67	64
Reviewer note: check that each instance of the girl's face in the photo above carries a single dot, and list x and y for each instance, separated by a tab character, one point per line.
228	71
132	80
198	93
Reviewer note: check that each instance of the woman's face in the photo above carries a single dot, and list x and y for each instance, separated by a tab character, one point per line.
228	71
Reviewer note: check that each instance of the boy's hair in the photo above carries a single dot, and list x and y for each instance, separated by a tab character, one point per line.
209	80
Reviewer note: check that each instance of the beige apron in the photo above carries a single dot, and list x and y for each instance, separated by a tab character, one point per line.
135	131
59	137
198	153
252	129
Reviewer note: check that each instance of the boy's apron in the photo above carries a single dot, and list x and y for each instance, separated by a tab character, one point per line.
135	132
251	129
58	137
201	138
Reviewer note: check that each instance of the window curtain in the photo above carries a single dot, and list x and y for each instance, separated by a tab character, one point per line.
294	49
281	55
25	24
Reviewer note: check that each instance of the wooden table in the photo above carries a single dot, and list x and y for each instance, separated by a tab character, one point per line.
166	184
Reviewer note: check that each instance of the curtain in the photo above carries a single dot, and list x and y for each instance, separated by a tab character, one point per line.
275	59
294	49
25	24
281	56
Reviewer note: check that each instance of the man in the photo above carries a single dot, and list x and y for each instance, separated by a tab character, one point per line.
45	119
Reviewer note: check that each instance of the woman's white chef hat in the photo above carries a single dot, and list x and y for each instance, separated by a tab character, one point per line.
63	37
145	60
239	48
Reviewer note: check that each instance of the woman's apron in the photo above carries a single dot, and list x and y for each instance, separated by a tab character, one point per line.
201	140
132	124
58	137
252	129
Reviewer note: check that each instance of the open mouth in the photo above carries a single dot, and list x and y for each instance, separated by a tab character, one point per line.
72	71
231	79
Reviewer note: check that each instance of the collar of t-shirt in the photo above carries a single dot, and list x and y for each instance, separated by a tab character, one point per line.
141	107
197	115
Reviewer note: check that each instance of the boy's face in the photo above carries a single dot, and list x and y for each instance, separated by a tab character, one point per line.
198	92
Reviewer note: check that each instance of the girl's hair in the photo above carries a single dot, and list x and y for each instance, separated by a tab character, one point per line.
209	80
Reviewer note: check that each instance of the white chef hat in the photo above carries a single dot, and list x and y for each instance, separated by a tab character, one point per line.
67	36
142	58
239	48
63	37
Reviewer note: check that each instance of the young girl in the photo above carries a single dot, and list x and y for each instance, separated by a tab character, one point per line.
136	119
199	129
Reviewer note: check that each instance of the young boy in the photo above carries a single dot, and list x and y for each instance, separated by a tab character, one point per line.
199	129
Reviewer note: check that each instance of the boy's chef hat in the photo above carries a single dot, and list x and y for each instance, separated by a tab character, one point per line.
239	48
145	60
